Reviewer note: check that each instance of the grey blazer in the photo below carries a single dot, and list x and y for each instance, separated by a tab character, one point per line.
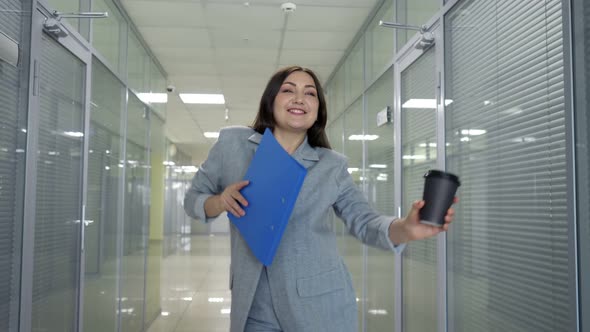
312	289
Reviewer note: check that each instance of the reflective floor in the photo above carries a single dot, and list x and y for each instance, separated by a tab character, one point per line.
195	287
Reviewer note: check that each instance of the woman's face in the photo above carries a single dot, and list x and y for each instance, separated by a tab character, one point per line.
296	105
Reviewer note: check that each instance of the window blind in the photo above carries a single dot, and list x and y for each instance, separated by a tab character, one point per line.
508	251
59	171
418	155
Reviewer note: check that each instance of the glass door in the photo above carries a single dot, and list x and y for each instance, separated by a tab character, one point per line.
417	107
58	102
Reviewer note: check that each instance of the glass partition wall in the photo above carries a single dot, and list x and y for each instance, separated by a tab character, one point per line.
350	247
379	175
103	201
493	108
86	198
418	145
13	139
509	255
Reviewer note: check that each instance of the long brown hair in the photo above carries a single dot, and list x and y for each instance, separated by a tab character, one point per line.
316	135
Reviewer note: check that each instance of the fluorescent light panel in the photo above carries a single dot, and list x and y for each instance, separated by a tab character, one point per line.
202	98
153	98
211	134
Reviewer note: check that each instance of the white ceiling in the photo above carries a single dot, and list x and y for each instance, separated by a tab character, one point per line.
233	47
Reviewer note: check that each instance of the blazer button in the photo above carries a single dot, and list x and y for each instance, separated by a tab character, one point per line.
283	200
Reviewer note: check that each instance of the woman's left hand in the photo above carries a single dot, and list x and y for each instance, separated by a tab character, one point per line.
410	228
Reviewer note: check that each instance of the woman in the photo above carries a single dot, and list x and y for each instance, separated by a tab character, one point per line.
307	287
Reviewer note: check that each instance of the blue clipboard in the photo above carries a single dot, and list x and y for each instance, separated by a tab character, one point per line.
275	181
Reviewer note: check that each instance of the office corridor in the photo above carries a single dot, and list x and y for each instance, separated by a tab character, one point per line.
109	108
194	287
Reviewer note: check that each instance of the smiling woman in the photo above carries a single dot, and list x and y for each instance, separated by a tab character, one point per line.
307	287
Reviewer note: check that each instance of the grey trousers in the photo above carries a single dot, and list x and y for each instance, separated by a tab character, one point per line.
262	317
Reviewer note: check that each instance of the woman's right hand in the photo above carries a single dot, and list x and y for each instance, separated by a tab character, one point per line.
231	198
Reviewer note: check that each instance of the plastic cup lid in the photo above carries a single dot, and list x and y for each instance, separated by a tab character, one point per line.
437	173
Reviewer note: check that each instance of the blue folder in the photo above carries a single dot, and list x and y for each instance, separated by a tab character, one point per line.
275	181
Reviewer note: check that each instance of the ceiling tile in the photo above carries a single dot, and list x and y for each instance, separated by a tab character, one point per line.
165	13
176	37
334	3
247	69
239	16
237	80
317	40
311	58
245	38
300	3
224	46
195	83
185	54
312	18
174	68
243	95
247	55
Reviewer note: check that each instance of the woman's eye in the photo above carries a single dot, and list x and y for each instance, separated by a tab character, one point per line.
311	94
287	90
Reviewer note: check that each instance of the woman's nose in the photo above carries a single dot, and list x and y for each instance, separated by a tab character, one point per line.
298	98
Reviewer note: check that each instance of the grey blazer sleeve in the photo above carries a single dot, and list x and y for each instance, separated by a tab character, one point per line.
205	183
360	218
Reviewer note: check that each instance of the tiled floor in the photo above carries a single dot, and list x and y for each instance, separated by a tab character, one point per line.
195	292
195	285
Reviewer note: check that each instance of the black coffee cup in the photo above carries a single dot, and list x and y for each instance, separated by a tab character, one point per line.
439	190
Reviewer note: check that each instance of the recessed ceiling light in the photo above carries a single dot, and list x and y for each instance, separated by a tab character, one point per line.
211	134
202	98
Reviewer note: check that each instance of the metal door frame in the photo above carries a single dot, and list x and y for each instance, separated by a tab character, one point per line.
76	45
403	60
